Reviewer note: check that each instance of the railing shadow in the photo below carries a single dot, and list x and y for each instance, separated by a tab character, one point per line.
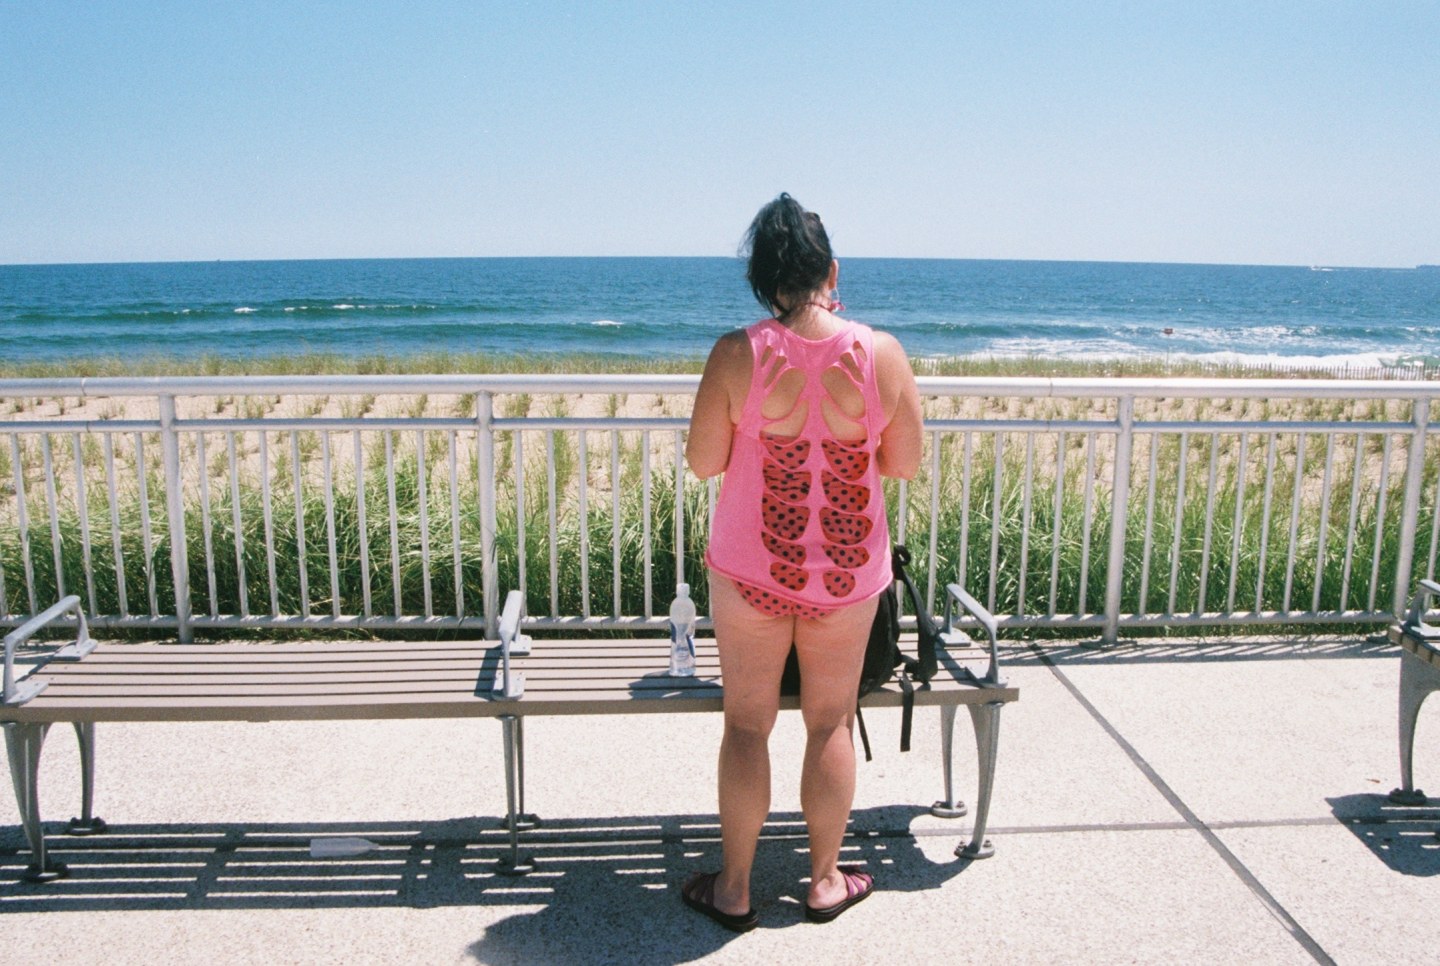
601	913
605	888
1401	836
1015	654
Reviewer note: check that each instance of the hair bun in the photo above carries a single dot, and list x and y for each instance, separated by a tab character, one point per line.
789	253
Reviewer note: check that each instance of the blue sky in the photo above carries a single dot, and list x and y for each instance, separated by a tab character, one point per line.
1240	132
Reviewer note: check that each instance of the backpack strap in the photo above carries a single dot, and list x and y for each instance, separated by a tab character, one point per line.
864	736
928	632
909	669
907	714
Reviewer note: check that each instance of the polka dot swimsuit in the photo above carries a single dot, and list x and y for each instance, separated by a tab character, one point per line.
800	523
767	603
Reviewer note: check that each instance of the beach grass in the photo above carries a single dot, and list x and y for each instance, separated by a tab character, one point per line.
1024	523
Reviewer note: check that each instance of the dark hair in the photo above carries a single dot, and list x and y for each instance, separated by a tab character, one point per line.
789	253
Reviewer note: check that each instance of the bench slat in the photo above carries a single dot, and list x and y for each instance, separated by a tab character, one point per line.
247	679
275	654
1424	650
101	693
302	651
292	647
458	675
265	661
423	705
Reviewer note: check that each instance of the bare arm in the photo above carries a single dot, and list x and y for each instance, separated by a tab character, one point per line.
718	404
898	454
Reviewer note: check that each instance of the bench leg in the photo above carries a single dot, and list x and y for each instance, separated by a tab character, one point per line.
87	823
1417	680
23	743
986	719
521	818
513	863
948	807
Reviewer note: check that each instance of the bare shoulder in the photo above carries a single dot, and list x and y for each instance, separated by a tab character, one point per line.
890	355
732	345
730	358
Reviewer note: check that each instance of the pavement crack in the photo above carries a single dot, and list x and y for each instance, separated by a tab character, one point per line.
1271	904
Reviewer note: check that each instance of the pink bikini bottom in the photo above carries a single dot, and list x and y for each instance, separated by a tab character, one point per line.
773	606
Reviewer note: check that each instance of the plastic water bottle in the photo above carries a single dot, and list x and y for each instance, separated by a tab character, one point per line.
682	633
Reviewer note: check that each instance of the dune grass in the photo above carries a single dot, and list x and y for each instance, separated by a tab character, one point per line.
1216	541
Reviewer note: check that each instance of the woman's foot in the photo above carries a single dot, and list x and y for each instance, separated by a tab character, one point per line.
698	892
855	886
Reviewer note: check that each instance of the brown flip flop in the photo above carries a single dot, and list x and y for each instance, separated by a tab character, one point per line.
698	892
858	886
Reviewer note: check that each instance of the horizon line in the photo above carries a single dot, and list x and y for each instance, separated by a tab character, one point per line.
411	258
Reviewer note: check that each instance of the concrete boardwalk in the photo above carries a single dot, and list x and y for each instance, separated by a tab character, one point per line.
1162	803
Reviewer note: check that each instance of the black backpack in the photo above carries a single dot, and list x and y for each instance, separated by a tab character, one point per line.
883	657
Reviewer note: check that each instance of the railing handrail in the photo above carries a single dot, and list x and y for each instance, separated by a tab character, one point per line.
1063	387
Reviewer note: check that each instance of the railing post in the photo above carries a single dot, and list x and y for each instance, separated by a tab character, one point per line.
1119	513
175	505
489	575
679	511
1410	514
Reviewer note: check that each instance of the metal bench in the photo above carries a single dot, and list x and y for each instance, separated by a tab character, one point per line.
84	684
1419	676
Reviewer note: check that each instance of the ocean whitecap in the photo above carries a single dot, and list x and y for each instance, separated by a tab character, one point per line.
608	322
1322	362
245	310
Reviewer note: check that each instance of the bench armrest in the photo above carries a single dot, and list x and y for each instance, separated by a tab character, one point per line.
1415	619
510	684
73	651
954	593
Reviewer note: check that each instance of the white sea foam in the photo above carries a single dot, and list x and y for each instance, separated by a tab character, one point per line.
1260	360
245	310
611	323
1353	360
343	306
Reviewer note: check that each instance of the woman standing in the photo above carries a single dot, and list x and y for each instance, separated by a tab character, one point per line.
803	412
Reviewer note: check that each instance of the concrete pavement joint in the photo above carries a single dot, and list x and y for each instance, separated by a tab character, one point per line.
1192	820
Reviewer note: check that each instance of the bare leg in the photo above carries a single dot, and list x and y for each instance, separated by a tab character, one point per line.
831	650
753	648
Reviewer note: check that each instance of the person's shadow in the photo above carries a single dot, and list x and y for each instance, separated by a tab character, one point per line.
624	906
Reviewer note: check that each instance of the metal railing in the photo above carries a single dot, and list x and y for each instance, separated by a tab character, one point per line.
1103	503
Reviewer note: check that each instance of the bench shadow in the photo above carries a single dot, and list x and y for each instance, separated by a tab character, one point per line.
603	888
662	683
1401	836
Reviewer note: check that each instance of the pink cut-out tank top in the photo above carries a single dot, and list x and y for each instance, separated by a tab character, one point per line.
802	515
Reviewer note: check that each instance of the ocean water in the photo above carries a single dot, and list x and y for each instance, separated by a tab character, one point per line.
675	307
